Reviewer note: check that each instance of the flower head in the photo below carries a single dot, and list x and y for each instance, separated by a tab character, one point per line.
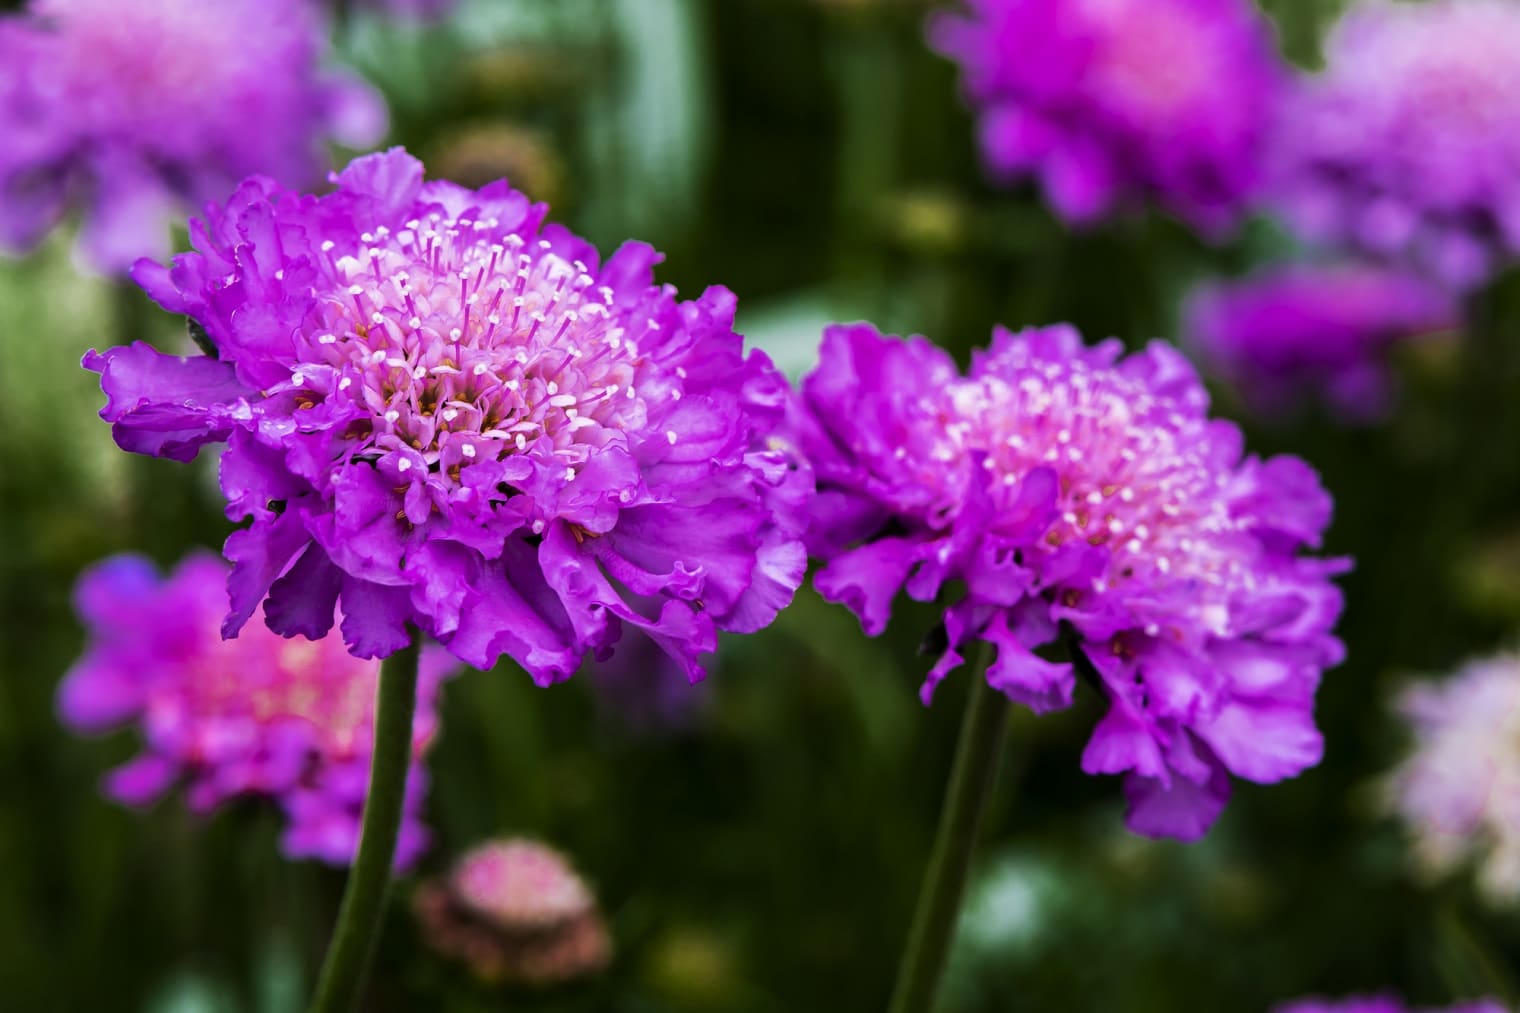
1459	789
1407	145
259	715
132	111
1381	1004
1068	487
1290	330
1106	102
515	910
439	413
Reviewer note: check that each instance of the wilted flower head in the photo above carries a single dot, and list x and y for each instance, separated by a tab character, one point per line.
1108	102
132	111
1459	789
1407	145
515	911
1326	329
438	413
1067	486
1382	1004
259	715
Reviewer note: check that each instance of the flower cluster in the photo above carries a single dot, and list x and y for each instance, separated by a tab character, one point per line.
1068	488
515	911
132	111
258	715
1407	145
439	413
1323	328
1112	101
1382	1004
1459	789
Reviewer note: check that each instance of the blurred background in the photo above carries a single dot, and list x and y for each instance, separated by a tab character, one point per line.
757	842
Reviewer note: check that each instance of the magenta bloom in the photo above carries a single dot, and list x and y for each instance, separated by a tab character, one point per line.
1068	486
438	413
1293	330
1382	1004
132	111
1407	146
1110	102
1458	791
259	715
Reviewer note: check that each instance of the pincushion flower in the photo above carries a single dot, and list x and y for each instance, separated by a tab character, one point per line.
1383	1004
259	715
133	111
438	413
1068	487
1459	789
1326	329
1112	102
515	911
1407	145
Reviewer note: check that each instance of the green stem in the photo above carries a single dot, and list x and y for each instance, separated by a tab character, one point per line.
353	943
939	901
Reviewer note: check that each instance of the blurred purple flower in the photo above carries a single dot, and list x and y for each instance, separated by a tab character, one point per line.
1062	484
1459	789
1289	331
438	413
259	715
132	111
1407	145
1381	1004
1110	102
642	689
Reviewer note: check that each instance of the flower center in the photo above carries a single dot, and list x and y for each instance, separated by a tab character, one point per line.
465	345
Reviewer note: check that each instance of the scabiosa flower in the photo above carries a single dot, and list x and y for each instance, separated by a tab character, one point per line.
1382	1004
438	413
514	910
1407	145
1459	789
1067	486
1301	328
259	715
131	111
1108	102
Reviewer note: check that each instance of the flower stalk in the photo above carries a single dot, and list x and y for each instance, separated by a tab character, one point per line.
353	944
939	901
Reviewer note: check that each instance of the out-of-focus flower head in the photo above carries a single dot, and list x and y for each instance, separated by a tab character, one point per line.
1407	145
438	412
1314	329
1113	102
1382	1004
259	715
1459	789
642	689
1067	486
132	111
515	911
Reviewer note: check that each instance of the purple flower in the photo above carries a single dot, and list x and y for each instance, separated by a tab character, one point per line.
439	413
1066	486
1459	789
1289	330
1110	102
133	110
259	715
1407	145
1381	1004
641	689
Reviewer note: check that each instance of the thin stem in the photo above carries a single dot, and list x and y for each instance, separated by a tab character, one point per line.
353	944
939	901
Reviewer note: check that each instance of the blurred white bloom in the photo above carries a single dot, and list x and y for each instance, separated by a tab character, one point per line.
1459	790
